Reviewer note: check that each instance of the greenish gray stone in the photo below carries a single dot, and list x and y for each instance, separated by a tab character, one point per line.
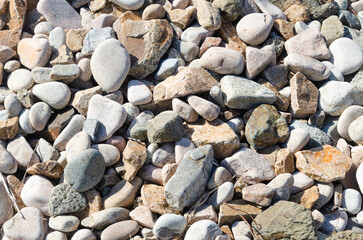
266	127
277	42
346	235
332	29
231	8
165	127
138	127
190	178
86	170
324	11
317	136
285	221
357	83
64	199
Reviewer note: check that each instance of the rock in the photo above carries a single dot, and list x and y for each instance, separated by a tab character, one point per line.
134	157
59	13
340	49
346	118
121	230
104	110
8	163
34	52
304	96
138	93
102	219
184	110
153	197
56	235
50	169
85	171
67	72
335	104
218	177
39	115
11	66
195	34
287	218
81	99
103	60
110	153
266	127
9	128
22	152
208	15
249	165
84	234
145	56
326	191
6	53
122	194
153	11
166	69
306	198
204	212
6	207
254	28
76	145
309	43
206	109
143	216
311	68
223	194
169	226
129	5
281	185
203	229
355	130
297	12
182	191
258	59
25	98
85	69
13	106
189	80
334	222
55	94
74	126
352	201
164	155
57	36
242	93
94	204
95	37
20	79
182	17
232	8
349	19
259	193
27	225
232	62
41	74
297	139
332	29
64	223
216	133
227	215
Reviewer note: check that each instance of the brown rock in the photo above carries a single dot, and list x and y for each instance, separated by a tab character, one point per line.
146	42
51	169
285	28
112	9
94	204
125	16
153	197
189	80
201	213
281	102
338	195
216	133
231	211
10	38
62	55
304	96
229	35
182	17
134	157
9	128
1	72
208	15
324	164
225	229
306	198
81	99
208	43
297	12
276	75
34	52
74	38
284	162
56	124
153	11
270	153
6	53
15	186
96	5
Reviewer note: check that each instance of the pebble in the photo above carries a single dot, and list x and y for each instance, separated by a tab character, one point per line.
208	110
56	235
57	37
334	222
281	184
241	230
8	163
164	155
346	118
223	194
67	72
138	93
166	69
13	106
76	145
34	52
301	182
55	94
39	115
110	153
11	66
184	110
94	38
64	223
218	177
143	216
259	193
355	130
20	79
187	50
22	152
121	230
169	226
182	146
84	234
254	28
104	218
203	229
129	5
297	139
352	201
6	205
74	126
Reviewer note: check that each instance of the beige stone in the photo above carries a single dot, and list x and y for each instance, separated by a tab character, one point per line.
182	17
134	157
82	98
153	197
231	211
50	169
284	162
74	38
94	204
9	128
306	198
34	52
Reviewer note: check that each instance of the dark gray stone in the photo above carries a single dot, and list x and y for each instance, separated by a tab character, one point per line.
349	19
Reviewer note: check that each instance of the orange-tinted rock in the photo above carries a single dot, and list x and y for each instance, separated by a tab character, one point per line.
306	198
9	128
285	28
189	80
134	157
182	17
324	164
228	231
57	123
153	197
51	169
230	214
297	12
15	186
216	133
125	16
94	204
284	162
74	38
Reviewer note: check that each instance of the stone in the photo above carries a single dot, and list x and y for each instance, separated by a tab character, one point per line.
104	218
22	152
169	226
231	211
229	35
153	197
153	11
189	80
254	28
249	165
51	169
355	129
39	115
60	14
332	29
95	37
103	20
346	118
34	52
15	185
56	235
121	230
138	93
85	69
258	59
218	177
184	110
306	198
64	223
204	212
81	99
129	5
216	133
317	136
25	98
166	69
62	56
11	66
84	234
6	207
20	79
232	8
203	229
195	34
208	15
340	49
8	163
104	110
281	184
334	222
297	12
182	17
76	145
287	218
74	126
164	155
143	216
284	162
266	127
94	204
6	53
326	192
85	171
325	164
13	106
27	225
9	128
122	194
270	9
297	139
67	72
41	74
259	193
285	28
352	201
206	109
57	36
110	153
75	38
223	194
349	19
102	61
335	104
145	56
55	94
310	67
134	157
